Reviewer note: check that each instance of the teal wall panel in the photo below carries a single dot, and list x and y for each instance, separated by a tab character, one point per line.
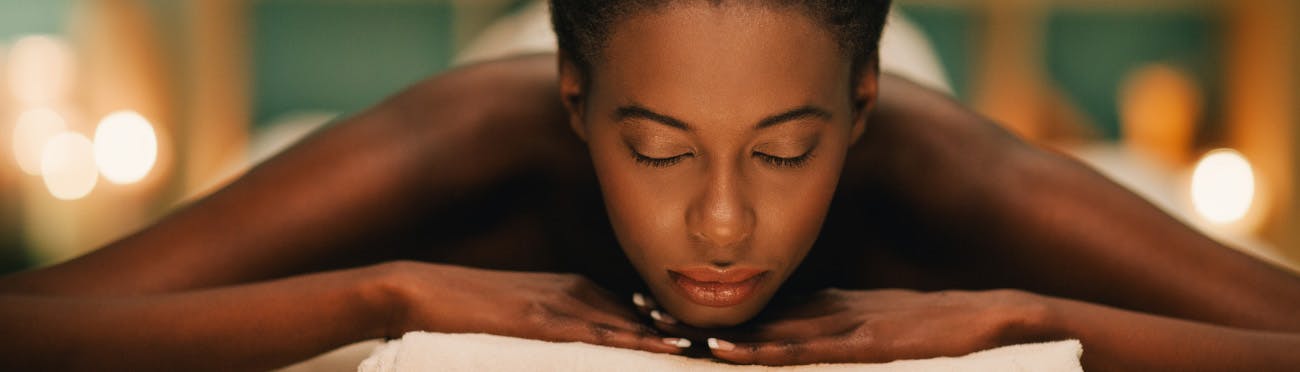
18	17
1089	53
952	32
343	56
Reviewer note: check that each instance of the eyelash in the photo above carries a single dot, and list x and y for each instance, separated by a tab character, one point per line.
776	161
659	162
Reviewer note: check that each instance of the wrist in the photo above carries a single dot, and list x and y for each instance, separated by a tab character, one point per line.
1032	318
386	296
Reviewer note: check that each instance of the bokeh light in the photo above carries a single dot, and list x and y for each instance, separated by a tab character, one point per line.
68	166
1223	186
33	129
126	147
1159	108
39	69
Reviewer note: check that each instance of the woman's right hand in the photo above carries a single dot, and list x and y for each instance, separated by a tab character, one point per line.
540	306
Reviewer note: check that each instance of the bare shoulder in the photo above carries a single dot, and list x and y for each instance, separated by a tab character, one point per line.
386	183
502	170
922	143
913	184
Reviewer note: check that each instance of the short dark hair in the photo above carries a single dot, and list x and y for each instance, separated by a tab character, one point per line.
582	26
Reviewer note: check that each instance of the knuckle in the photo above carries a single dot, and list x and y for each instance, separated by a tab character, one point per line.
1007	294
860	336
601	333
895	292
537	312
561	296
753	354
574	279
574	284
398	269
557	278
644	331
787	351
770	355
788	345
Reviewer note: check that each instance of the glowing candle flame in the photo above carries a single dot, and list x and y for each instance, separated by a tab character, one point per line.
125	147
1223	186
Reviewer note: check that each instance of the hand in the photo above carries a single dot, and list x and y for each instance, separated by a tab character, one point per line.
838	326
541	306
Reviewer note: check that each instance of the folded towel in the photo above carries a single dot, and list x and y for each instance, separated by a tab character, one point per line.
422	351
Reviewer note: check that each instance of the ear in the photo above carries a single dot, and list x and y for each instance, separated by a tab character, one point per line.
865	91
571	92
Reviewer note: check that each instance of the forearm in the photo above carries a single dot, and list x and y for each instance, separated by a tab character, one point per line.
1041	221
1125	252
374	180
257	326
1115	339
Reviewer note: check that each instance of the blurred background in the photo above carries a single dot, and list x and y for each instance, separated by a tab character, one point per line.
115	112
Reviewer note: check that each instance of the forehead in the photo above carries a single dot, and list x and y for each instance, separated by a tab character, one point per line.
724	58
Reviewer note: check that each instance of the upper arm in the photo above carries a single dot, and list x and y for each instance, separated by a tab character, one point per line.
347	195
1020	216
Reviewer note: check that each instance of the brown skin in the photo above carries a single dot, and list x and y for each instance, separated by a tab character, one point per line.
931	197
718	199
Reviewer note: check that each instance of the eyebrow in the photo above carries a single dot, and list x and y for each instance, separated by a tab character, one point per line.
635	111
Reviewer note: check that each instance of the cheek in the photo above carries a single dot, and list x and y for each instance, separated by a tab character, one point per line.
791	211
645	211
793	203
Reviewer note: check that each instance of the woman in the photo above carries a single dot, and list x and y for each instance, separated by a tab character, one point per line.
745	157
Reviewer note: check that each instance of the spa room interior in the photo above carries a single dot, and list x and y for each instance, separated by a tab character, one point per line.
115	113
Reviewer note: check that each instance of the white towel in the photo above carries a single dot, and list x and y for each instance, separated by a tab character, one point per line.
422	351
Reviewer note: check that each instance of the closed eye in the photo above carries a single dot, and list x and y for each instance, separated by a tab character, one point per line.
784	162
659	162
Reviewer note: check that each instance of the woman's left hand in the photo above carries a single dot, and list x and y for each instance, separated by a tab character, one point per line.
842	326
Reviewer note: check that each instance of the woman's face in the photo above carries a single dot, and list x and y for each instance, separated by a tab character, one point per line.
718	134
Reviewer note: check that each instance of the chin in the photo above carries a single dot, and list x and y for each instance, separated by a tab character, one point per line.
701	316
715	319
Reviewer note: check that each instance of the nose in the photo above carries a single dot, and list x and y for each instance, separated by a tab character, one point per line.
721	218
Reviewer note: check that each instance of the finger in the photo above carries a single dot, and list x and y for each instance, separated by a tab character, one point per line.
643	303
667	325
609	335
791	352
602	298
662	317
599	315
805	306
801	328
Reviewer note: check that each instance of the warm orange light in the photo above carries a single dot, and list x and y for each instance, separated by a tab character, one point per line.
68	166
31	131
40	69
1159	108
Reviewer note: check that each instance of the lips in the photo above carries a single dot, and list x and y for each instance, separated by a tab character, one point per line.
717	288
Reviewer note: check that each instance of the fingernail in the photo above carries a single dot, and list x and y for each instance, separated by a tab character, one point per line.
717	344
638	299
678	342
660	316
